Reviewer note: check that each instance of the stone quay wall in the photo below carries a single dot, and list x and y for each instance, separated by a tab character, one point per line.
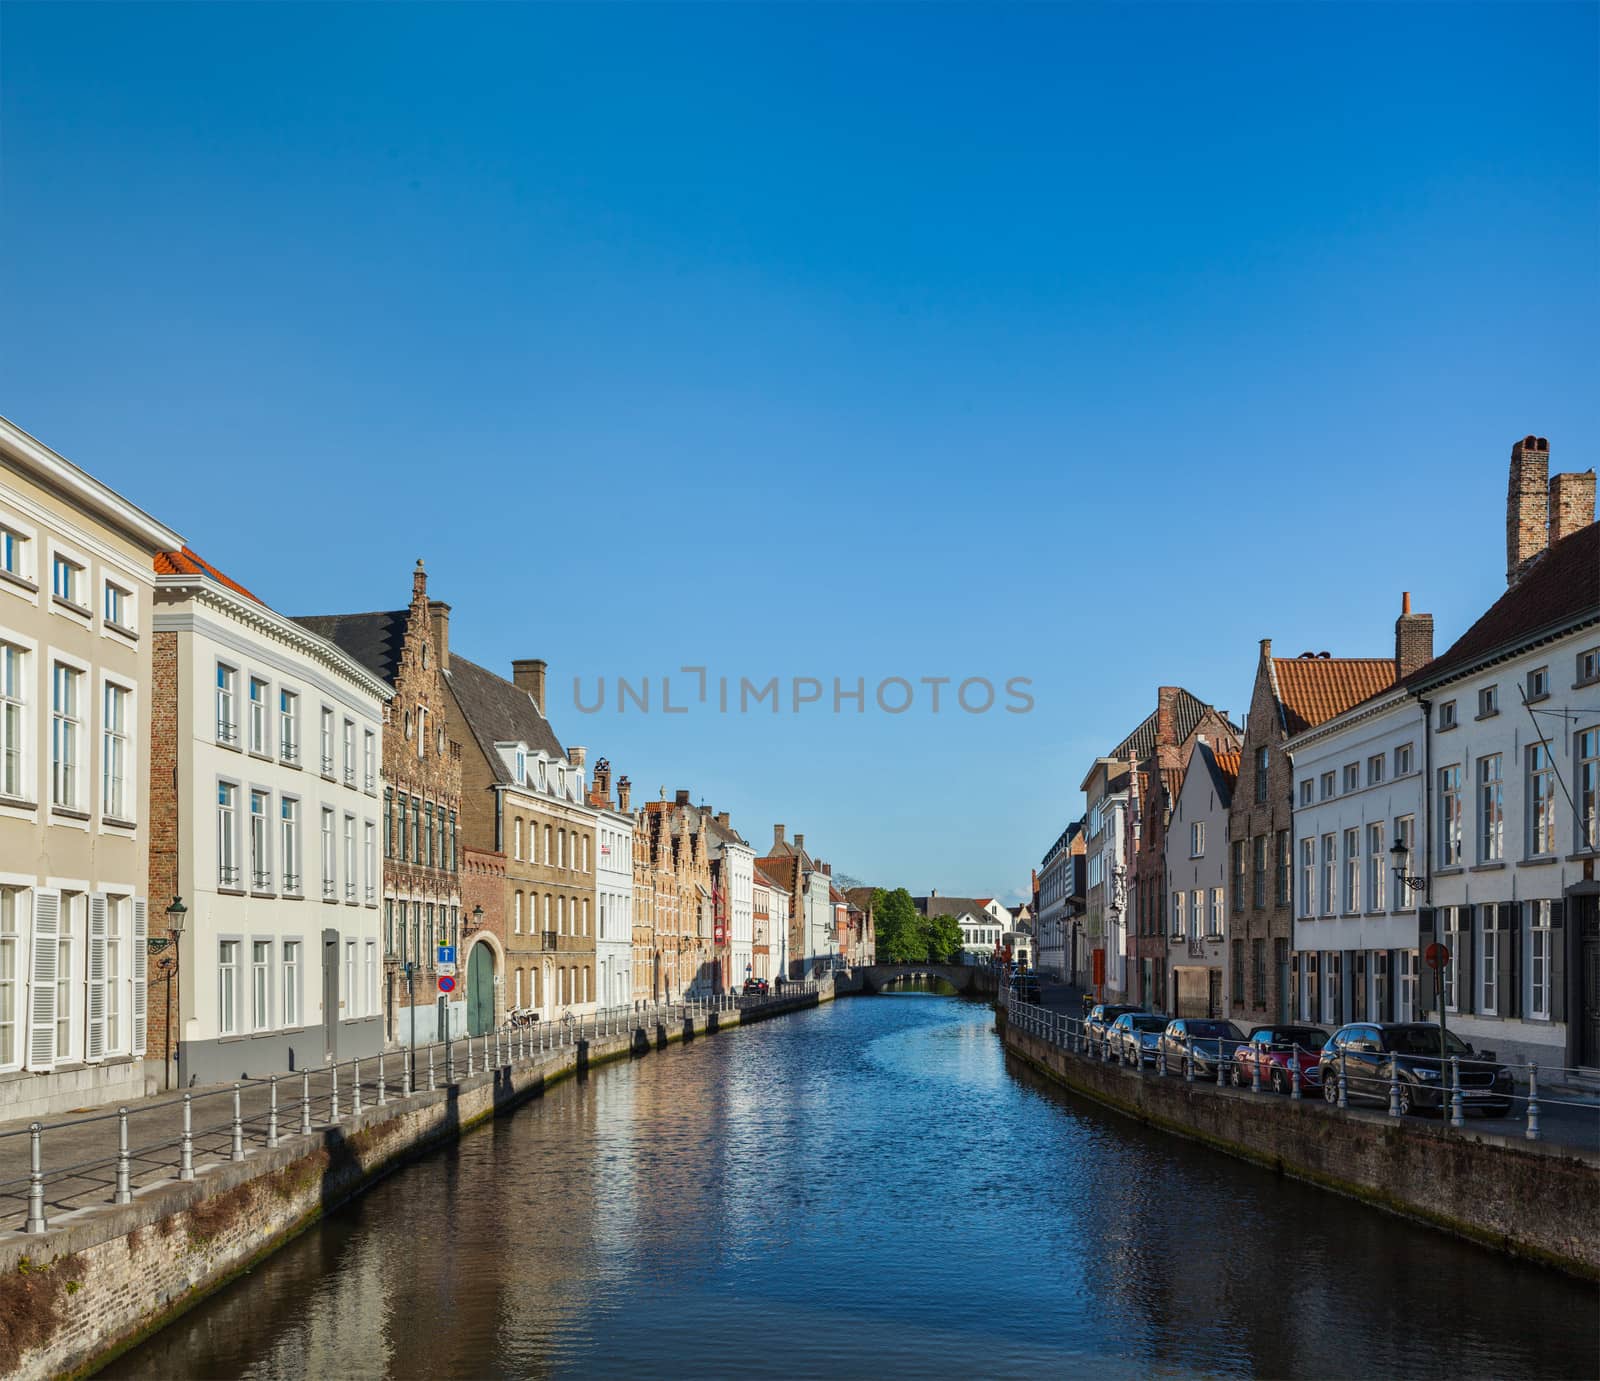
104	1278
1532	1199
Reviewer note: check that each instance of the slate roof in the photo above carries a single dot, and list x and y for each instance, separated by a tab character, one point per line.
1311	690
1187	711
726	833
186	561
860	897
949	906
1561	590
373	639
497	711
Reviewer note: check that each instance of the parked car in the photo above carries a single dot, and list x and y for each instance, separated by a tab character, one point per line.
1102	1014
1135	1037
1276	1051
756	987
1409	1051
1210	1039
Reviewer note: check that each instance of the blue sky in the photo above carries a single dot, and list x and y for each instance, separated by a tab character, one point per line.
1086	343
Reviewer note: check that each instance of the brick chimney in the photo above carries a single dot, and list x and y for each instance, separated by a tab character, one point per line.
1571	504
777	837
1167	715
1527	506
439	615
724	819
602	777
528	675
1413	639
624	792
682	797
799	843
578	756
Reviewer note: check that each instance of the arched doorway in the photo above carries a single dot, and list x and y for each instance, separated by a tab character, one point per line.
480	990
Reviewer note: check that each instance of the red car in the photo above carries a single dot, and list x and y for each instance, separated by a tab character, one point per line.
1275	1051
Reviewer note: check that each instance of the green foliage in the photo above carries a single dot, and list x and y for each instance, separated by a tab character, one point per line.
901	938
943	939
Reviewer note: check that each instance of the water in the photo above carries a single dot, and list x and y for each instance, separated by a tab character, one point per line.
869	1189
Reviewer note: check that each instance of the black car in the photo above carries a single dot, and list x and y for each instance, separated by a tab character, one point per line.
1206	1040
1135	1038
1100	1017
756	987
1376	1051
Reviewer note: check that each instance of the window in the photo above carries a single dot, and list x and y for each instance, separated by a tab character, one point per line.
1588	662
388	925
1491	812
260	985
1539	955
1352	870
1406	1009
1449	918
329	865
349	858
453	867
66	580
227	712
227	835
1307	791
1308	877
14	555
516	914
1352	776
1450	817
369	850
1489	968
64	973
516	839
1258	890
114	795
289	842
370	986
1197	839
228	987
291	982
422	732
1329	786
260	864
118	606
1538	683
1258	971
115	971
405	828
1405	827
288	726
258	715
1447	715
369	760
1261	776
13	720
349	744
416	828
1541	802
1375	765
1402	760
1214	925
1330	874
326	742
1488	701
349	978
1587	779
561	848
1376	853
66	736
10	950
427	834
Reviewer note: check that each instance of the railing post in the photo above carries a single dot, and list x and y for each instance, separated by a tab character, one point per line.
1188	1060
124	1194
305	1103
1394	1088
1255	1074
1219	1061
238	1125
469	1057
355	1076
36	1220
1343	1100
1458	1111
430	1067
1294	1072
383	1093
333	1095
406	1081
1532	1134
272	1111
186	1142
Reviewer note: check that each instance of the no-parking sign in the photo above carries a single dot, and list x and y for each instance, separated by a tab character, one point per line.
447	983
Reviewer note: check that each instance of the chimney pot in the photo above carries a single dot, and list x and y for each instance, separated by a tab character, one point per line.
1527	506
1413	640
528	675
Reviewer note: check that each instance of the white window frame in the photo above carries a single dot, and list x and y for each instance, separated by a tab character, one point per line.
67	778
228	955
261	985
291	952
1197	839
230	873
288	725
119	792
1451	850
227	704
17	778
289	859
1491	808
15	926
1541	954
18	543
1488	966
259	712
1308	877
1377	851
259	840
1541	802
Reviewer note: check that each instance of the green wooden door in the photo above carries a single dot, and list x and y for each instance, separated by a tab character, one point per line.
480	990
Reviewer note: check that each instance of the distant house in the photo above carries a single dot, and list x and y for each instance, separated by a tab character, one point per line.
983	921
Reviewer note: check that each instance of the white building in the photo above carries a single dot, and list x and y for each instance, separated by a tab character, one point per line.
769	926
734	861
613	879
1199	983
984	922
271	734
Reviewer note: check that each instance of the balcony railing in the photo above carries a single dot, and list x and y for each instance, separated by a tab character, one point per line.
291	882
327	764
261	880
372	893
289	752
330	889
547	939
349	891
349	776
227	874
227	731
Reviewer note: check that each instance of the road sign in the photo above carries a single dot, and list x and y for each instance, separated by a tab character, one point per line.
447	983
1437	956
447	954
447	970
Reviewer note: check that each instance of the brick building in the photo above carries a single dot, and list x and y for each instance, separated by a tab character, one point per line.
409	650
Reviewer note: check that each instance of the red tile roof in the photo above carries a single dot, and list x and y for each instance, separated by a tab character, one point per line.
187	562
1228	765
1314	689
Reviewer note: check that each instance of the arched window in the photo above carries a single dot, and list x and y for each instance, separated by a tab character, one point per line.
561	848
516	839
547	855
516	914
586	915
517	1001
561	915
583	980
546	904
586	853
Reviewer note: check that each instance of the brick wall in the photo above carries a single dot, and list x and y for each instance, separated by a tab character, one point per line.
162	1038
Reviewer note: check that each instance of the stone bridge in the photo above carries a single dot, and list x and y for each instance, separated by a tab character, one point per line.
964	978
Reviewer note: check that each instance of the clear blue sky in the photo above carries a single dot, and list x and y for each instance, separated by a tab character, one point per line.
821	341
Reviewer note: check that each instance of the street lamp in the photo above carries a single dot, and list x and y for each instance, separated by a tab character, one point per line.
477	917
177	914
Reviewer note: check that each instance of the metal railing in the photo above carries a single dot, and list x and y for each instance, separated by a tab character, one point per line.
1399	1082
170	1137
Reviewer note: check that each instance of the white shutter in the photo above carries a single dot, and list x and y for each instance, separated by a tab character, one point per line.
95	1045
137	964
42	981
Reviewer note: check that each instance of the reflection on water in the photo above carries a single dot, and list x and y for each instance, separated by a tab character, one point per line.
866	1189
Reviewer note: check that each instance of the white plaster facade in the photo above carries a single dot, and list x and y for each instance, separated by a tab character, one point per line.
613	879
739	861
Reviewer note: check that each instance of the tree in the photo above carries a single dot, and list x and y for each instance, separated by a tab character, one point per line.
944	939
900	935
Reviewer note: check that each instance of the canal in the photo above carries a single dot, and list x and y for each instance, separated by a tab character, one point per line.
866	1189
